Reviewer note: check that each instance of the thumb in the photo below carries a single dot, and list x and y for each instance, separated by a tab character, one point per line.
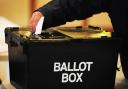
34	20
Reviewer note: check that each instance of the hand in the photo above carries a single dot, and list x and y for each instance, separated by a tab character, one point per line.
34	20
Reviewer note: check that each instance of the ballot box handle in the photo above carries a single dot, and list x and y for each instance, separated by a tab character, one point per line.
17	29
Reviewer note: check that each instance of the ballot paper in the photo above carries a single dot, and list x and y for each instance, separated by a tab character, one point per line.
39	26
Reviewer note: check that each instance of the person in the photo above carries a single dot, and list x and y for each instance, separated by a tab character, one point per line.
58	12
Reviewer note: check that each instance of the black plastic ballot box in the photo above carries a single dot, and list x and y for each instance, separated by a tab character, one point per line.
56	60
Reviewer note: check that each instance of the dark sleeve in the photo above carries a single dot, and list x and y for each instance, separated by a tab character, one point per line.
58	12
119	17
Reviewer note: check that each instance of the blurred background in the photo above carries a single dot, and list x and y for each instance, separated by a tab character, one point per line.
20	12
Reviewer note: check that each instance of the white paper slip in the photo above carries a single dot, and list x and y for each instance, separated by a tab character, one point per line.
39	26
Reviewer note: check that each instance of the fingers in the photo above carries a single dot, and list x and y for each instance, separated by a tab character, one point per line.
34	20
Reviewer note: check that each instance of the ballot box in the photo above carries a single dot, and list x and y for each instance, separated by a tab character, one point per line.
62	58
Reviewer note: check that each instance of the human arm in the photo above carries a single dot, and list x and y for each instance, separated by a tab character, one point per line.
58	12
